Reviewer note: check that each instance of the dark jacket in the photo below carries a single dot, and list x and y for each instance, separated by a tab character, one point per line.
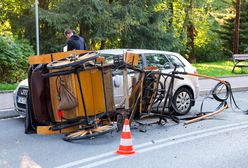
76	43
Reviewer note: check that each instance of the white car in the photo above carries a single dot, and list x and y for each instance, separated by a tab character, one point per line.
20	97
185	91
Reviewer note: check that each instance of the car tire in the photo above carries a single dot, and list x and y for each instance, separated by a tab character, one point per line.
182	101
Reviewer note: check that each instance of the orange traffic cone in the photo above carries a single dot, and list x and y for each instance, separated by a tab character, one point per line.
126	145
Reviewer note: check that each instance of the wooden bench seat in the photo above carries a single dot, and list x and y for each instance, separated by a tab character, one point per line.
237	58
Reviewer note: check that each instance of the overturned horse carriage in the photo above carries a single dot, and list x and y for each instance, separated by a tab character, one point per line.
72	93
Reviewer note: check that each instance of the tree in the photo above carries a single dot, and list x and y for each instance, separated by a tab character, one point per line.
236	29
243	40
186	26
226	20
13	59
110	24
190	32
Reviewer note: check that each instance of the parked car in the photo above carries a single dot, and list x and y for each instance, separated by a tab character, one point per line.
20	97
185	91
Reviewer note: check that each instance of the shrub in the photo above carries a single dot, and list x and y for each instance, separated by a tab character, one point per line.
211	52
13	59
246	50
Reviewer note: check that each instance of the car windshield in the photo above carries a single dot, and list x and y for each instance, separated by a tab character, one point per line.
175	60
158	60
109	58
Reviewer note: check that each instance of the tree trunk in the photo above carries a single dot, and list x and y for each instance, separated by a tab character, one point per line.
191	43
172	14
191	35
102	45
84	32
43	4
236	31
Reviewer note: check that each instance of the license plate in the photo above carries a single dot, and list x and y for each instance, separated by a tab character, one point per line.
24	92
21	100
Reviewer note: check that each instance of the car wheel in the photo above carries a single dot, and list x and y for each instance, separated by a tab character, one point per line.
182	101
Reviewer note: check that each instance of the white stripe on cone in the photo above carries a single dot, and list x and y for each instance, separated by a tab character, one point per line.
126	128
126	142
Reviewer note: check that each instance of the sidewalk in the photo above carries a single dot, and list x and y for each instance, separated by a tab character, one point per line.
6	100
238	84
7	105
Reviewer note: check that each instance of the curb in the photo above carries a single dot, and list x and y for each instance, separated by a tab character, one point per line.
8	113
236	76
238	89
6	91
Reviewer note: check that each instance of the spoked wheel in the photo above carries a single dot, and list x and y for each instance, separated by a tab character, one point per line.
160	93
89	133
73	60
182	101
120	117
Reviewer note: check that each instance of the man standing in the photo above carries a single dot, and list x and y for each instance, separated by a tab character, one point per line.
74	42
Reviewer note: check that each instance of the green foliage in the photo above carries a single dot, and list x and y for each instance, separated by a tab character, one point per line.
151	24
144	25
7	86
210	52
13	59
243	45
225	29
119	24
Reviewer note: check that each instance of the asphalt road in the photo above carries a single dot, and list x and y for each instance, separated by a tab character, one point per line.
220	141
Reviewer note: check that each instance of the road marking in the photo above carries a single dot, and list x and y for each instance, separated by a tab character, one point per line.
87	160
101	162
148	146
27	162
192	138
190	134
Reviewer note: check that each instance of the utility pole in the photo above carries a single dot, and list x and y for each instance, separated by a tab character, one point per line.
236	31
37	28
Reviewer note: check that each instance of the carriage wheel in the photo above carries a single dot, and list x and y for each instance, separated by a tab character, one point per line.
73	60
89	133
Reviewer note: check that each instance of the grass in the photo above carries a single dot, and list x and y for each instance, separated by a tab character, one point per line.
7	86
217	69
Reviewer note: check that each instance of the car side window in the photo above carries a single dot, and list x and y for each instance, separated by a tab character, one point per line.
175	60
109	59
158	60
